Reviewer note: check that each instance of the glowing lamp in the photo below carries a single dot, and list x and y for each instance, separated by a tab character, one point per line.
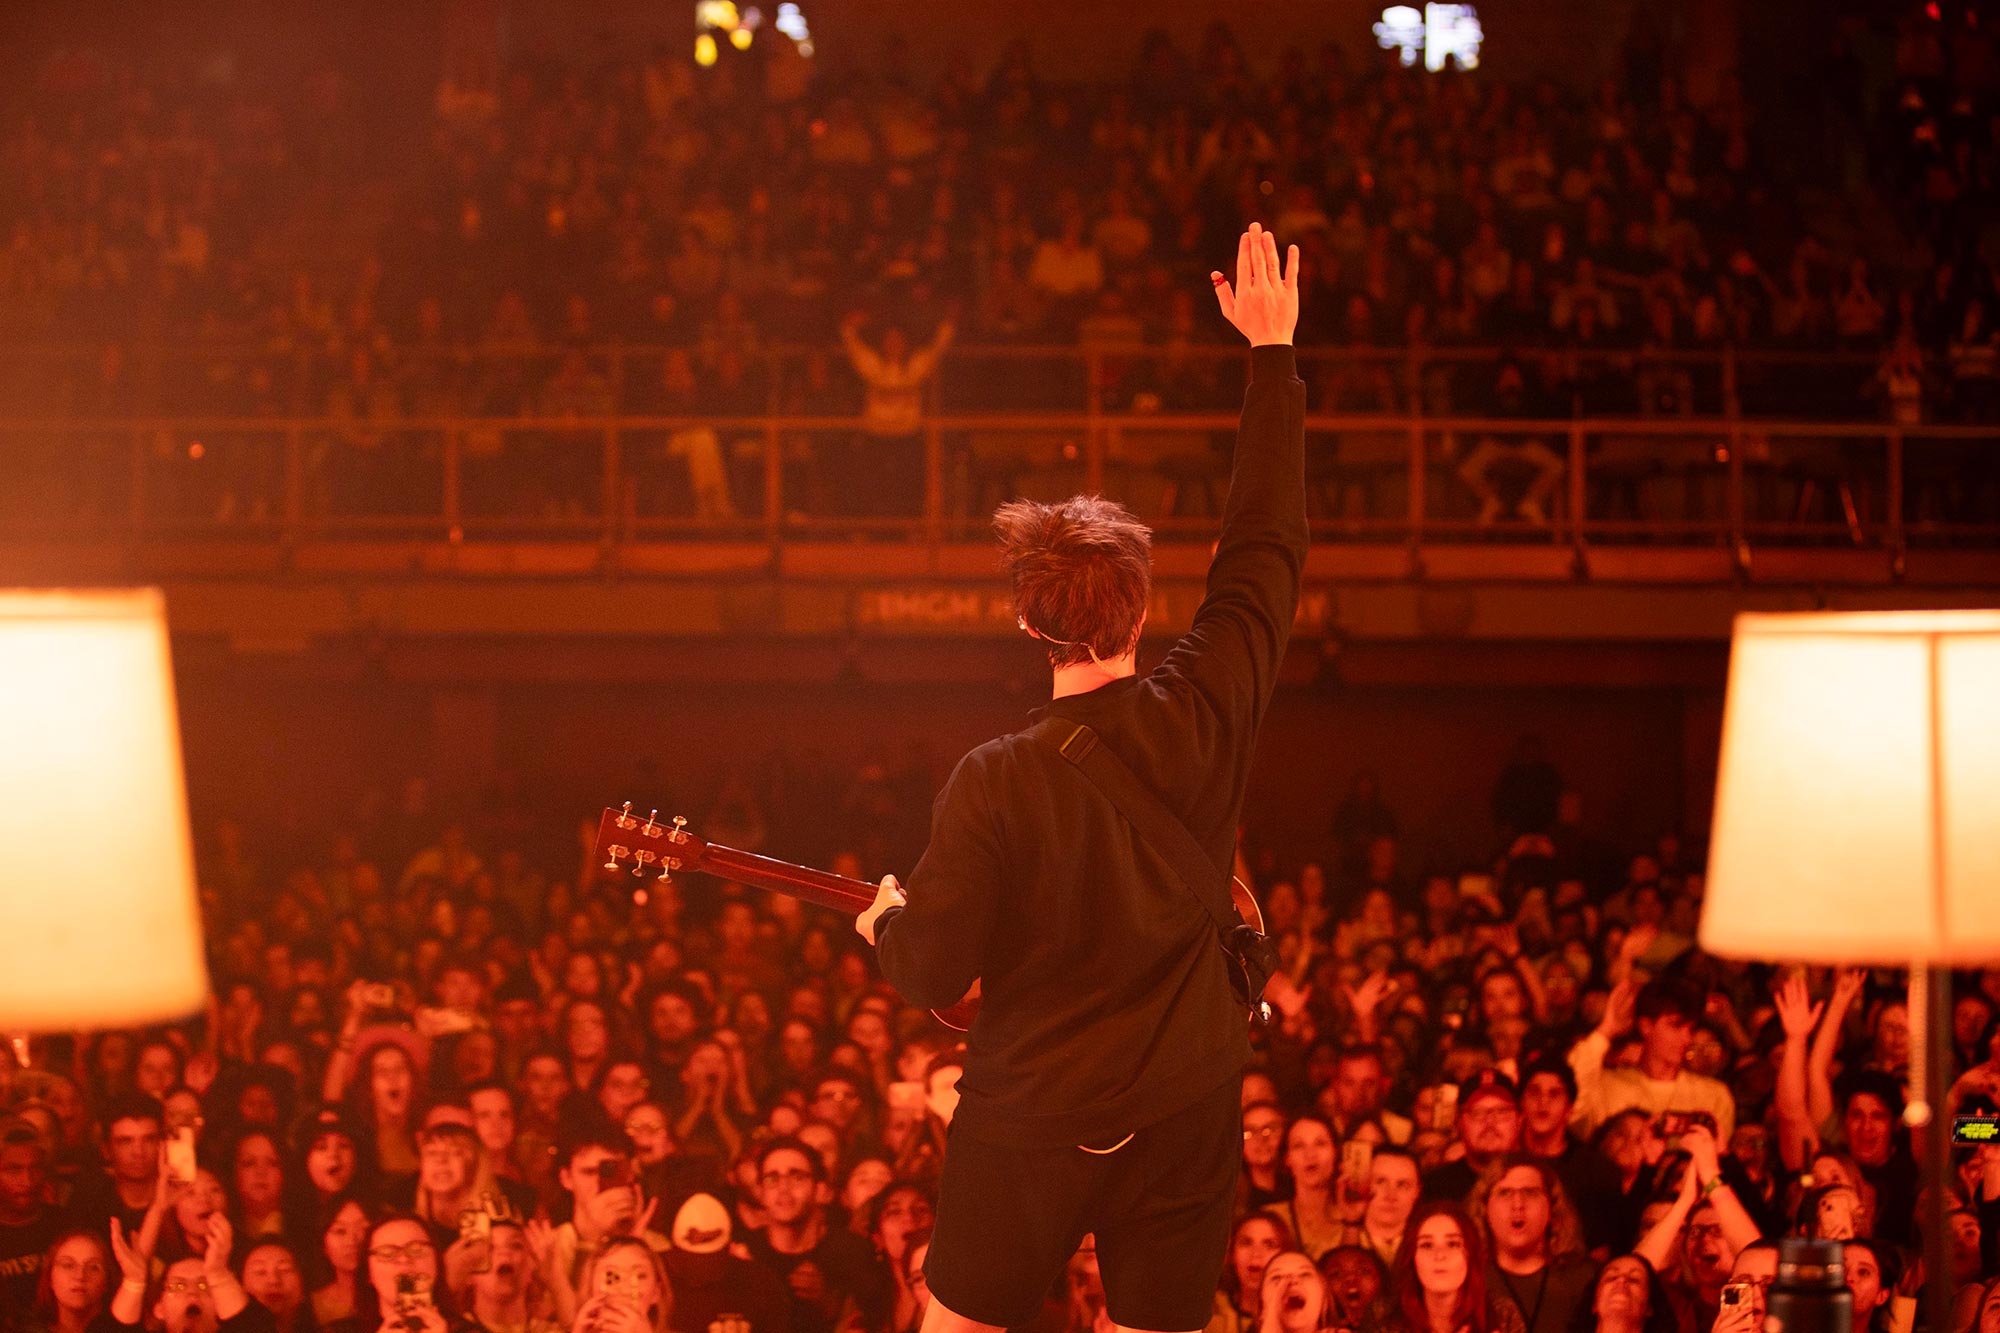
1857	821
1857	809
97	888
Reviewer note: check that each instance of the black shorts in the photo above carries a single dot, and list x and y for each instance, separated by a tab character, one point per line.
1009	1218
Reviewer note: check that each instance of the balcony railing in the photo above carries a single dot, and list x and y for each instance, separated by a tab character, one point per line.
294	378
1402	479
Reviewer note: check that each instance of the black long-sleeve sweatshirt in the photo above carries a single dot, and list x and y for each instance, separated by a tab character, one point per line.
1107	1003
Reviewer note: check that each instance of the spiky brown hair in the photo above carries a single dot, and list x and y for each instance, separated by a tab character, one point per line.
1081	569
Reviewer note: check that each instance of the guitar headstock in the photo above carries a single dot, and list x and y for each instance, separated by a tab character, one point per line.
625	842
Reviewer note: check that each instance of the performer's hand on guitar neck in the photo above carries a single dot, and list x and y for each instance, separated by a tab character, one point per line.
1264	304
888	896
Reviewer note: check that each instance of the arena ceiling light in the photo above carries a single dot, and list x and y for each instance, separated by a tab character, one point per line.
1439	34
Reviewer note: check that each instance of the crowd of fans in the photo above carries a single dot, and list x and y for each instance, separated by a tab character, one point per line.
455	1077
1585	232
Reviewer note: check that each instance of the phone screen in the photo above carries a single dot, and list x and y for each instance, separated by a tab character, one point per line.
180	1155
475	1228
1356	1156
1444	1107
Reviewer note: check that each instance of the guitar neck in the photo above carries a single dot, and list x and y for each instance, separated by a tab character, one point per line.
814	886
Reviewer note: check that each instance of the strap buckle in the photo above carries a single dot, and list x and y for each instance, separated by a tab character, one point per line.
1083	739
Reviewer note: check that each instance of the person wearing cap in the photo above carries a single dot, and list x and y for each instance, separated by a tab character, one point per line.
715	1290
1548	1095
1489	1126
326	1154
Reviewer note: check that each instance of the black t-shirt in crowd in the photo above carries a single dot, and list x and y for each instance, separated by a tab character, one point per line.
21	1249
95	1201
848	1267
1106	1001
720	1293
1548	1301
1592	1184
1451	1181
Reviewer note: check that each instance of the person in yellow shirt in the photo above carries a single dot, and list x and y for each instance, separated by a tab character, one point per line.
1666	1013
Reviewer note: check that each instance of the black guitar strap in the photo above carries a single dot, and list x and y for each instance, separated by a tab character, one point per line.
1159	828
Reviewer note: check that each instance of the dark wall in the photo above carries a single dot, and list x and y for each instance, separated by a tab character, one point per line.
265	743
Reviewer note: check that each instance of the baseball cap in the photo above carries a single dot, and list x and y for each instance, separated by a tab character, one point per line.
1487	1083
702	1225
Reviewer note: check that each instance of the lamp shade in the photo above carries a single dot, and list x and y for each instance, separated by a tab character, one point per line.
97	890
1857	810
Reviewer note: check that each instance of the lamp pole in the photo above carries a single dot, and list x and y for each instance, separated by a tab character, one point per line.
1936	1036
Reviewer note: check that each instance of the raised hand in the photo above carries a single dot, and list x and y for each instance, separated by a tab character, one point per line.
1264	303
608	1212
1702	1153
541	1238
1618	1009
1639	941
135	1257
221	1236
1366	998
1796	1010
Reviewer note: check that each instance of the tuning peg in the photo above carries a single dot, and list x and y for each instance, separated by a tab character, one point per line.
680	825
652	829
625	819
617	852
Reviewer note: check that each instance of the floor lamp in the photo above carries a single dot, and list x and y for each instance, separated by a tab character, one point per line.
1857	822
99	921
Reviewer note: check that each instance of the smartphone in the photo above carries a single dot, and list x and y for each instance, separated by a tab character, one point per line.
1356	1156
380	994
413	1298
475	1228
1735	1295
1475	886
1444	1107
180	1155
613	1172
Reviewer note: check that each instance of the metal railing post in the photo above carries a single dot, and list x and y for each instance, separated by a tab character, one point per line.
137	513
774	480
454	481
1579	489
1732	408
933	482
1419	476
295	482
613	473
1898	535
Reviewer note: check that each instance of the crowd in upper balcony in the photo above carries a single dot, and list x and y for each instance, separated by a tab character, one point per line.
720	212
